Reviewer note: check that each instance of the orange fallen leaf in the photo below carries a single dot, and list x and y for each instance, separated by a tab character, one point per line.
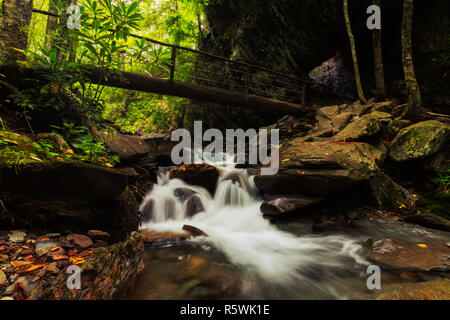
109	165
35	158
422	245
20	263
70	151
59	159
76	260
59	257
11	141
34	267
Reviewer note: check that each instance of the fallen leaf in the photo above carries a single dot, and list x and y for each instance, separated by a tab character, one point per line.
35	158
76	260
20	263
109	165
34	267
422	245
11	141
59	257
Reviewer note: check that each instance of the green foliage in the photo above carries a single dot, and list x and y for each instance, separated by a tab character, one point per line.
438	202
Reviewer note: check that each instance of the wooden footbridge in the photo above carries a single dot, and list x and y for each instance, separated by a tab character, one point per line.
213	79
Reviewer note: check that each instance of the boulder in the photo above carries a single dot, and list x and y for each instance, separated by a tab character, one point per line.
394	126
388	195
279	205
68	178
422	256
328	112
194	205
98	235
203	175
321	168
359	129
438	162
126	147
419	140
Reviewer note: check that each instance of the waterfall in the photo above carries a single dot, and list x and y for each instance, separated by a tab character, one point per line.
236	226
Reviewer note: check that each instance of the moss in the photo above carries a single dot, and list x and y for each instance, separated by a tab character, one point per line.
419	140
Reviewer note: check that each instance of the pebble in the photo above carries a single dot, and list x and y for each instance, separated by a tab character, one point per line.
80	240
44	247
17	236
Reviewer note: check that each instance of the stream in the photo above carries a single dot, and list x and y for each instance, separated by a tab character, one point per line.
244	255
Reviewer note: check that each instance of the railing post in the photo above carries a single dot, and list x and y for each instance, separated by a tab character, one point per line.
172	65
247	81
304	93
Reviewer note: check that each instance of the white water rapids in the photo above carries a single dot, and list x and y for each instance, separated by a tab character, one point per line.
318	264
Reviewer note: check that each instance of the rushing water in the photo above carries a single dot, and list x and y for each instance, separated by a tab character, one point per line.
269	263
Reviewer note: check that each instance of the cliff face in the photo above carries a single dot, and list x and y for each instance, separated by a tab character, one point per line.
296	36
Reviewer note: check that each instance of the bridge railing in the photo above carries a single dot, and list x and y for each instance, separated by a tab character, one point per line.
220	72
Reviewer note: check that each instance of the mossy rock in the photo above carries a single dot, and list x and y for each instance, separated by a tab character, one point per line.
419	140
359	129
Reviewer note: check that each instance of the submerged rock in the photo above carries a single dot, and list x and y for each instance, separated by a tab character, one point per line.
279	205
193	231
419	140
321	168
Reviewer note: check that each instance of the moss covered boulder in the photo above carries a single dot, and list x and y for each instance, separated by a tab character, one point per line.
419	140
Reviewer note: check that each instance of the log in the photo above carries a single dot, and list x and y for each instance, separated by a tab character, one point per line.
138	82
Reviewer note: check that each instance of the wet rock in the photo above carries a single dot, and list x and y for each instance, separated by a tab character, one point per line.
80	240
321	168
203	175
16	236
395	254
147	211
279	205
428	221
382	116
193	231
389	195
359	129
183	193
419	140
161	238
194	205
429	290
98	235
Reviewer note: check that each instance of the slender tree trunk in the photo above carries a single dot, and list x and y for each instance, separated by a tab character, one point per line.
414	97
354	55
14	21
378	60
56	40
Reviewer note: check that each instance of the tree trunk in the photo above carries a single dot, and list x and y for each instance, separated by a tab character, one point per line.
378	60
354	55
14	22
53	40
414	98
